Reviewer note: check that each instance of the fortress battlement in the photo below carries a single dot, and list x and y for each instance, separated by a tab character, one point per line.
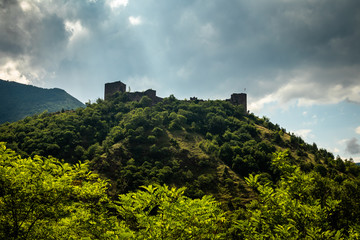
114	87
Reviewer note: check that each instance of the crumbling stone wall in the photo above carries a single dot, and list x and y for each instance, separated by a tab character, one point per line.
111	88
239	99
114	87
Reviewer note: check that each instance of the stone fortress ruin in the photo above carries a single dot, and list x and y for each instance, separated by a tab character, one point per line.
114	87
238	99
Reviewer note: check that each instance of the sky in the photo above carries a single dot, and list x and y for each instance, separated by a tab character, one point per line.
298	61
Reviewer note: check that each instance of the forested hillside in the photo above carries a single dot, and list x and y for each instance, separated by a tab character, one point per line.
266	182
20	100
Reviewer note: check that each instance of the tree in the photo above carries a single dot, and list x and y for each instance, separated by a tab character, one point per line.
160	212
145	101
43	198
290	210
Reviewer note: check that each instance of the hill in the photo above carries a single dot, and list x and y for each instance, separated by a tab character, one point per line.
20	100
271	182
207	146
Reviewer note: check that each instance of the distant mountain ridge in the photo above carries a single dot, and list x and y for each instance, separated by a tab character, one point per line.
20	100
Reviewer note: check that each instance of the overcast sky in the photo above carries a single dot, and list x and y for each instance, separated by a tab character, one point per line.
299	61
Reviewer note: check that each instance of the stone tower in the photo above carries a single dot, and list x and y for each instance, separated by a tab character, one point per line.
111	88
239	99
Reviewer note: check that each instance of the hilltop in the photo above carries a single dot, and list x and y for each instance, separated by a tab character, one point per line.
207	146
264	180
20	100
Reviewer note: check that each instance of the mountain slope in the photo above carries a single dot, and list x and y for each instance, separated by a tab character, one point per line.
208	146
19	100
270	184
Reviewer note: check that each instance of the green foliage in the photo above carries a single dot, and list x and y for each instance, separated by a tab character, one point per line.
292	209
209	147
165	131
23	100
197	136
42	198
145	101
160	212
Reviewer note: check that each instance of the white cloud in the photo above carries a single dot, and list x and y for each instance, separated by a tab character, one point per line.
76	29
135	20
257	105
25	6
309	86
9	71
118	3
343	141
304	133
357	130
356	159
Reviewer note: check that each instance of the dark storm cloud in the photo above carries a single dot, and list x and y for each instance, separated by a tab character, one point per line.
260	45
11	41
32	36
40	26
352	146
274	48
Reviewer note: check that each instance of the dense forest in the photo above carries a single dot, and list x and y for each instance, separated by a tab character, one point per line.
20	100
178	169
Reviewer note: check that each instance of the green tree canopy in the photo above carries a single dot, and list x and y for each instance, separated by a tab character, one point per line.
160	212
43	198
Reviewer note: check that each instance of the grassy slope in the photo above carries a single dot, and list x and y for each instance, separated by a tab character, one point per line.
228	188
